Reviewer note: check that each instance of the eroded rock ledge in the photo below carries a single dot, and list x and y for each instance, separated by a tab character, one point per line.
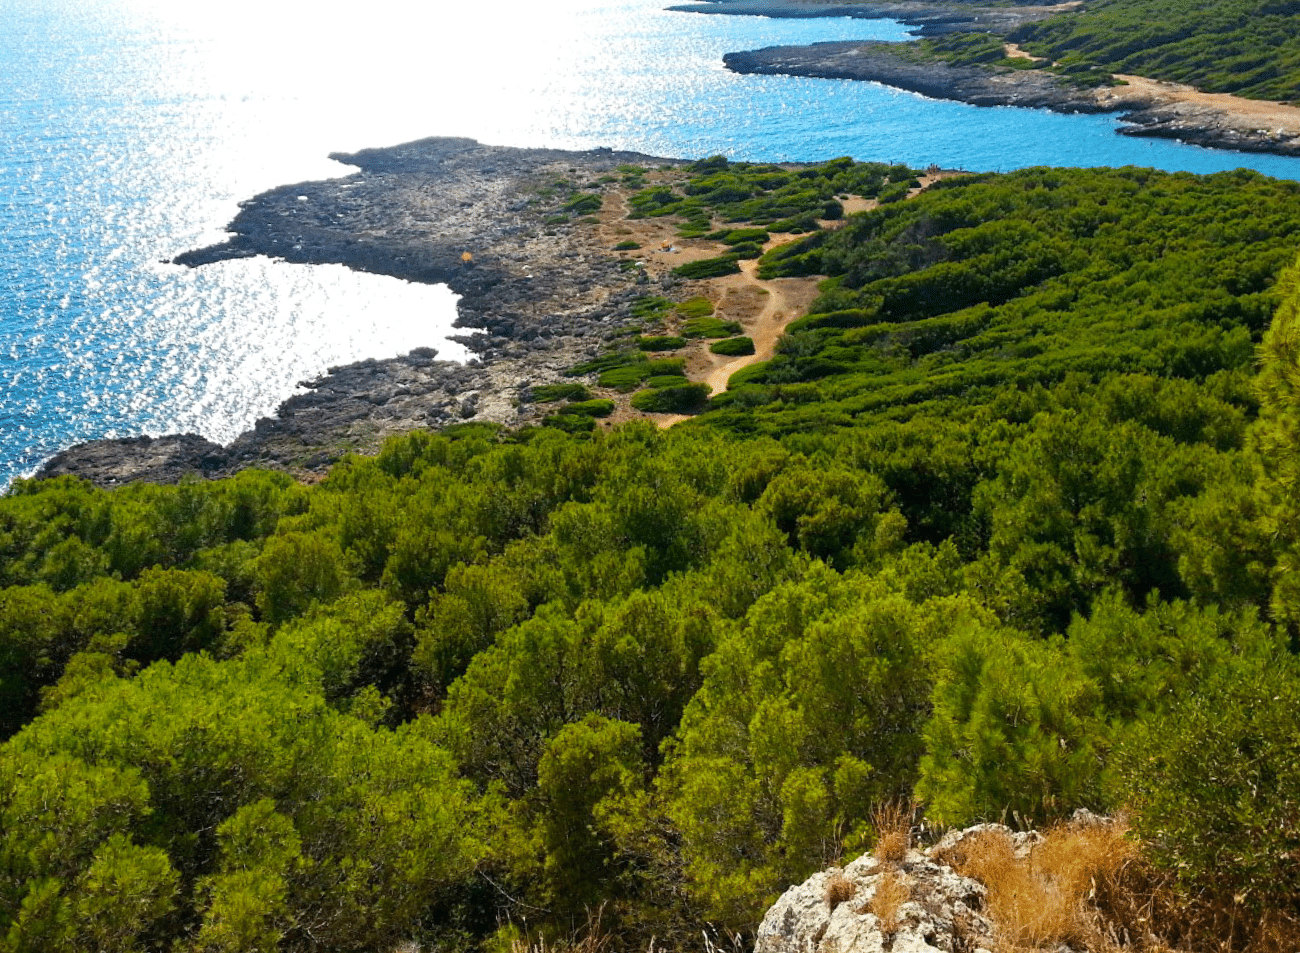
537	297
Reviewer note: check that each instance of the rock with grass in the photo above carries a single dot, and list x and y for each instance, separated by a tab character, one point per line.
915	904
1070	887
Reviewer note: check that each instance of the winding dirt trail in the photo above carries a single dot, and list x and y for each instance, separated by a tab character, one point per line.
785	300
764	308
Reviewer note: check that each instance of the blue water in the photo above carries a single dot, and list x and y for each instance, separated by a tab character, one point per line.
132	129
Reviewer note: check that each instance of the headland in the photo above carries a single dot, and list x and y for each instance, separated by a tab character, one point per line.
538	294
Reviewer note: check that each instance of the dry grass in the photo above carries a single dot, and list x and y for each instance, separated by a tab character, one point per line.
892	891
1087	885
893	823
589	938
1070	888
839	889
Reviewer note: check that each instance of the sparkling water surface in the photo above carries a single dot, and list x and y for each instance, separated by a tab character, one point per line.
132	128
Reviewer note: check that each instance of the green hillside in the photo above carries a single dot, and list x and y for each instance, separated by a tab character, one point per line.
1247	47
1008	526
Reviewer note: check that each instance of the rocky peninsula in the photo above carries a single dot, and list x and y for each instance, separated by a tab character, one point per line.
1146	107
540	291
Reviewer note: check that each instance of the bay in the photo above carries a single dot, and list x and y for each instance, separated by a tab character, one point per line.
132	128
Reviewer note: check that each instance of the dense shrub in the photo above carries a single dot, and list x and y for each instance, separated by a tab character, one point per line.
547	393
708	268
697	307
1214	785
660	343
681	399
733	346
710	328
590	408
1007	524
570	423
584	204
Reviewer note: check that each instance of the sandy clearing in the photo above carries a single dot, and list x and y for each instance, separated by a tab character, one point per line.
1014	52
763	307
1244	113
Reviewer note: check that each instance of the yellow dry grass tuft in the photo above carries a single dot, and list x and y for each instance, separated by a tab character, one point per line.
839	889
893	823
1060	892
892	891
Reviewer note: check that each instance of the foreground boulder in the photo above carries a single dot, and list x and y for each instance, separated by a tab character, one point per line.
1074	887
914	905
896	899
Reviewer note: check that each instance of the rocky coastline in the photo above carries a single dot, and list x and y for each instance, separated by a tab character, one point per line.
1147	108
538	294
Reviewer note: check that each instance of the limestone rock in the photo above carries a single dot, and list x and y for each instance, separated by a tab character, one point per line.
918	905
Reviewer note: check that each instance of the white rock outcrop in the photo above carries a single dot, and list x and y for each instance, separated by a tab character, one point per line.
914	905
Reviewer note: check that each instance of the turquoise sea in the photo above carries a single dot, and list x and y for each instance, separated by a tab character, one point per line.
132	128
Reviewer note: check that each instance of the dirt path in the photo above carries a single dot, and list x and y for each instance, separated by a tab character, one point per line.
764	308
785	300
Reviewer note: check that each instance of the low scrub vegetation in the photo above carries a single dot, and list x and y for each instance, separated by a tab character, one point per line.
548	393
1006	528
732	347
708	267
1245	47
708	327
661	343
672	398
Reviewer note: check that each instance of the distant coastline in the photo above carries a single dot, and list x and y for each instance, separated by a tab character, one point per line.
1147	107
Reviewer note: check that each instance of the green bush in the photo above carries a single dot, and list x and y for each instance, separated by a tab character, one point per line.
744	236
546	393
627	246
684	399
733	347
796	225
584	205
625	378
570	423
651	307
605	362
666	365
710	328
590	408
708	268
747	250
660	343
663	380
697	307
1214	787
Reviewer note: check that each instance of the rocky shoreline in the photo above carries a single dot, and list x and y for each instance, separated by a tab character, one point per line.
537	295
1151	109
